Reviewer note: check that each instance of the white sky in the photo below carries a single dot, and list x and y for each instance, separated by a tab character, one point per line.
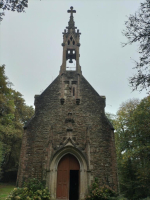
30	46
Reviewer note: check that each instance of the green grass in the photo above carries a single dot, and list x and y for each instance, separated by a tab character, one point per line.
5	189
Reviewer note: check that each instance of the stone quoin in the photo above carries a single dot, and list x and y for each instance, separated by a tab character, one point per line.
69	141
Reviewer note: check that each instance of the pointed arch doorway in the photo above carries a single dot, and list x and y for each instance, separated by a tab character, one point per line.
68	178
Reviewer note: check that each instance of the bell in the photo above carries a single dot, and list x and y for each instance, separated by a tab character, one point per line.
70	61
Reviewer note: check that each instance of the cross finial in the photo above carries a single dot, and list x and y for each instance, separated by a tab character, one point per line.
71	11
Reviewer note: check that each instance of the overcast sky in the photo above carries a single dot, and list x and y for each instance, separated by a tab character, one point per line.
30	46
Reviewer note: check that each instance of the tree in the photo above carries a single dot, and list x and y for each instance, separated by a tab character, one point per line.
13	5
14	113
6	111
142	143
138	30
1	157
133	147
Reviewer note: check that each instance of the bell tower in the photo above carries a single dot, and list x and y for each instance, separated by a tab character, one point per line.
71	44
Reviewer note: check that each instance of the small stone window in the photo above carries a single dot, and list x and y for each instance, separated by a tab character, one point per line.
62	100
77	101
68	42
70	114
73	91
74	82
69	129
71	38
73	42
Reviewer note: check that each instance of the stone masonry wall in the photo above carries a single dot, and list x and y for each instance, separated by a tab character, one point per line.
59	117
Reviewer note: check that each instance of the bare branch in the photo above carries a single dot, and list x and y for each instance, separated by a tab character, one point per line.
138	30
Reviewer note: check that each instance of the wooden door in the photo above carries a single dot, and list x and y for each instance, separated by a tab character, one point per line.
67	163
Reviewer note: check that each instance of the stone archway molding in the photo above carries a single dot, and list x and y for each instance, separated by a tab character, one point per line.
52	174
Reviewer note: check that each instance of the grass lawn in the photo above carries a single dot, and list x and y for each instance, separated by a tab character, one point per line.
5	189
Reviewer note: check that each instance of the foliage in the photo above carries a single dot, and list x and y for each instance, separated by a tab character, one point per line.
148	198
132	137
138	30
121	198
14	113
1	156
32	190
13	5
34	184
97	192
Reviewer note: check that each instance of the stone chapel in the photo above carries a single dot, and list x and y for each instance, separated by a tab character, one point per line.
69	141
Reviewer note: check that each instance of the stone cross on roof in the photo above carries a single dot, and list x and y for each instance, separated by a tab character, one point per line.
71	11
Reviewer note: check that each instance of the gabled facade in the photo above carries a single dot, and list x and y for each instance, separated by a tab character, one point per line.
69	141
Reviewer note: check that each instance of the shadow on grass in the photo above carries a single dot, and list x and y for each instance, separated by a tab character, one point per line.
5	189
